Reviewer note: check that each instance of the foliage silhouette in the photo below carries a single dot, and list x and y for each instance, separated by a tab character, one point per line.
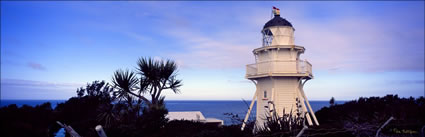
286	125
332	101
26	121
363	116
157	76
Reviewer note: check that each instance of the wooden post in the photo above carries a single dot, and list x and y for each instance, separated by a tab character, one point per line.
272	100
308	104
302	101
249	110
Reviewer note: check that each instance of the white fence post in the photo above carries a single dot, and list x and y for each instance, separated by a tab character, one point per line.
302	131
100	131
379	130
69	129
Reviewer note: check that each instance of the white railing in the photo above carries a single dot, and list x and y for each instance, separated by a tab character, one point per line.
278	66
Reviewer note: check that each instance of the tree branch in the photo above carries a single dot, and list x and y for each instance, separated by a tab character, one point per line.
141	97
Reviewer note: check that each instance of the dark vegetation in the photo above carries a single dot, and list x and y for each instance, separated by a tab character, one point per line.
359	118
364	116
133	106
26	120
332	101
285	126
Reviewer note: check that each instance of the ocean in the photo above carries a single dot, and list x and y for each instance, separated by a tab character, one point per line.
209	108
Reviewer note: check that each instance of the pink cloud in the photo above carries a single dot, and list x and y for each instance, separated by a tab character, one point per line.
39	84
361	44
36	66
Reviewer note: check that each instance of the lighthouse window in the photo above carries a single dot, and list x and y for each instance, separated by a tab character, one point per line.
265	94
267	37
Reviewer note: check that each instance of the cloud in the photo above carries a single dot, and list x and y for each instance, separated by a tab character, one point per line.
29	89
335	43
209	43
36	66
361	44
406	82
205	52
39	84
240	81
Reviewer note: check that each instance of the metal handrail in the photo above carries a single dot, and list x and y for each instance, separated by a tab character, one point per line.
279	66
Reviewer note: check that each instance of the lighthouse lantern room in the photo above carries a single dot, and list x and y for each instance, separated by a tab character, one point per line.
279	74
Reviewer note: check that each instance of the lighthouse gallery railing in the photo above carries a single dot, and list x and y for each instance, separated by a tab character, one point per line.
278	66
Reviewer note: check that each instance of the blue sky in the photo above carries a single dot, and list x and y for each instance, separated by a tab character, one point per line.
49	49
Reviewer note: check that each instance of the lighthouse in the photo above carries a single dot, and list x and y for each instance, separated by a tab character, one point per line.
279	74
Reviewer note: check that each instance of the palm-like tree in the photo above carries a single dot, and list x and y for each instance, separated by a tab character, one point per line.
108	115
157	76
126	83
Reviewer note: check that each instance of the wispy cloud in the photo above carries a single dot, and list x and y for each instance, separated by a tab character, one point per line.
361	44
347	43
206	52
225	37
30	89
39	84
35	66
202	45
406	82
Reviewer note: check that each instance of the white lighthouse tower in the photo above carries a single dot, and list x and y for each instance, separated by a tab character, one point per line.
279	74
